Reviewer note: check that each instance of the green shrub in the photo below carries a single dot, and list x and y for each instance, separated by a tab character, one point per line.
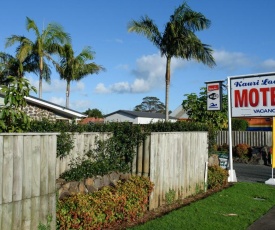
217	177
113	154
239	125
170	196
126	202
12	116
64	144
212	140
46	226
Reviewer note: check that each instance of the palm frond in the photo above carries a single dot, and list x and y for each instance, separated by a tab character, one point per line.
31	25
146	27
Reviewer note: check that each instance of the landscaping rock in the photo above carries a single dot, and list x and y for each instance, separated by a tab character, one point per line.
213	160
89	185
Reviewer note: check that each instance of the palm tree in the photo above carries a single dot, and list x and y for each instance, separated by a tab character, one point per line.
178	39
44	45
12	66
74	68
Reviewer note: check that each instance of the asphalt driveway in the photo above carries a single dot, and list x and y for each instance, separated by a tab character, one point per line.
252	173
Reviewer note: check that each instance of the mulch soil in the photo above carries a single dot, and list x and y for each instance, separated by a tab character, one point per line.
163	210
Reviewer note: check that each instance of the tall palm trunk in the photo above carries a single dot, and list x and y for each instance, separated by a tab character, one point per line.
68	94
40	76
167	87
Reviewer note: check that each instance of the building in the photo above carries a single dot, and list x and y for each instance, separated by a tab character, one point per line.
93	120
180	113
37	109
136	117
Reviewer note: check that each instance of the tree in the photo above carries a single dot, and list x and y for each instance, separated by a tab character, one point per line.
12	116
12	66
150	104
94	113
178	39
74	68
44	45
196	108
9	66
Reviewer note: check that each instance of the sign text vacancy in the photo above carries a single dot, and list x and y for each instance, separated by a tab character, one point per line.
253	96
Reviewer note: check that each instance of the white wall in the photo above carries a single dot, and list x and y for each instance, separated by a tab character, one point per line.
138	120
146	120
118	118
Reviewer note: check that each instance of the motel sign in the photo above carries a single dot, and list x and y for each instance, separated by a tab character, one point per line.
253	96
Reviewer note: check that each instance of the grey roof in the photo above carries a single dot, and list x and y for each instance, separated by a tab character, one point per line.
180	113
134	114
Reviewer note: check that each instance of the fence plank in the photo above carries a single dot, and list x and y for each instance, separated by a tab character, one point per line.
7	167
146	157
17	215
6	216
35	209
26	214
52	164
17	168
27	168
139	159
44	165
35	191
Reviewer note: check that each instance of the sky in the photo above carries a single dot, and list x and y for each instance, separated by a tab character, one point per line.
242	36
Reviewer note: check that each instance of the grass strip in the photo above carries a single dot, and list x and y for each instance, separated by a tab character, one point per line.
234	208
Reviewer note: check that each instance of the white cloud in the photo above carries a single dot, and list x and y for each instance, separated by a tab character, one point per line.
231	60
79	86
268	64
140	86
58	100
80	105
55	86
100	88
120	87
236	60
149	74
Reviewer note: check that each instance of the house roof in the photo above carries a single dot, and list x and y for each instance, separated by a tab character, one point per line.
135	114
180	113
62	110
88	120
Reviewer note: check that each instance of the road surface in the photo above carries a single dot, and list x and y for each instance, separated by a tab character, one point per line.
252	173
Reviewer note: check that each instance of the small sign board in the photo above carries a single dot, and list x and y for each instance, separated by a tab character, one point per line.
253	96
214	95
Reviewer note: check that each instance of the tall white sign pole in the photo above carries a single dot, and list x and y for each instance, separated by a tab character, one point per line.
232	174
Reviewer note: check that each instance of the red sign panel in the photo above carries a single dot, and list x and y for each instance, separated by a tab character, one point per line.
213	87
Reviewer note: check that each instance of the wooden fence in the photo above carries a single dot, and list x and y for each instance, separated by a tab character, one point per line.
29	168
27	180
174	161
177	163
252	138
